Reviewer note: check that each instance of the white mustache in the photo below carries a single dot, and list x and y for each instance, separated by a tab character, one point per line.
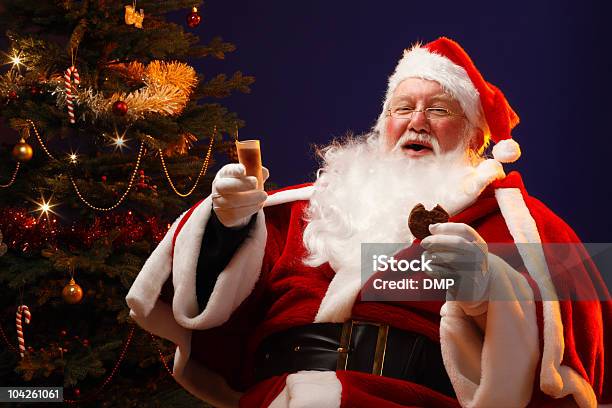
411	136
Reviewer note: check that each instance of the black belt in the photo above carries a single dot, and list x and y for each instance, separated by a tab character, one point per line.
355	345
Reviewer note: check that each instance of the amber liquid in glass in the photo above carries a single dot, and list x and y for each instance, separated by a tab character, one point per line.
249	155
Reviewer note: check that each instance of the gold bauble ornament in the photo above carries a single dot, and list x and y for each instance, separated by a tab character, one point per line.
72	293
22	151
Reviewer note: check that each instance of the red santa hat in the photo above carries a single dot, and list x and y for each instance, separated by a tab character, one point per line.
485	106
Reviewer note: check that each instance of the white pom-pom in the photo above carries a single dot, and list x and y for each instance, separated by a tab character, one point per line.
506	151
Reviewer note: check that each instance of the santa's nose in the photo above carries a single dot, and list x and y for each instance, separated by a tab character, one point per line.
418	122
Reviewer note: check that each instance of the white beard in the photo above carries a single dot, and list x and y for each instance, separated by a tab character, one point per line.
364	195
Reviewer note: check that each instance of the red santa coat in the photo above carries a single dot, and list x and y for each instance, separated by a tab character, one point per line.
531	352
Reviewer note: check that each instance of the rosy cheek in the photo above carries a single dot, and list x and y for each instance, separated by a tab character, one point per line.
448	135
394	129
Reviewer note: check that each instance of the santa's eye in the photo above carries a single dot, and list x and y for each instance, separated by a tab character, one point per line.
402	111
435	111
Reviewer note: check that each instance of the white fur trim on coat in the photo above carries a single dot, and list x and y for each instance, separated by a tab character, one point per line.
495	368
555	380
287	196
147	286
303	389
234	283
157	317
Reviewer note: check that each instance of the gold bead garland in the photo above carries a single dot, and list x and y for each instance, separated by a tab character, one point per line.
13	177
76	188
203	169
40	139
125	193
201	173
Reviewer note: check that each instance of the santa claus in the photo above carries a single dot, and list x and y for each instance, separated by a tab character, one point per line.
261	292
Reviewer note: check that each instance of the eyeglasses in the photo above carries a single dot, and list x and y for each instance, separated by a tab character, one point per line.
406	112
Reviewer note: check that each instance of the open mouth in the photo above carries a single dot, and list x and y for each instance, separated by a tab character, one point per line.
417	146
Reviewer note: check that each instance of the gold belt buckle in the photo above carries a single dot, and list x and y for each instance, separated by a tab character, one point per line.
379	352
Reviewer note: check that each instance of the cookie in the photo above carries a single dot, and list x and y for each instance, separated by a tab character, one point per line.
420	219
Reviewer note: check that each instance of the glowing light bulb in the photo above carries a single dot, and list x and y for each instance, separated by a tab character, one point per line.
120	142
45	207
16	59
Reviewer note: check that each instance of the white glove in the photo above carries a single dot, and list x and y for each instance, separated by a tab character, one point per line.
235	196
459	252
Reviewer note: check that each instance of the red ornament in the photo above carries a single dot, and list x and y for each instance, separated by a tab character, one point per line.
77	392
194	18
12	95
104	179
142	182
120	108
63	333
35	91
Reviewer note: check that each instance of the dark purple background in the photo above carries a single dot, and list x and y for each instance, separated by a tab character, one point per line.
321	70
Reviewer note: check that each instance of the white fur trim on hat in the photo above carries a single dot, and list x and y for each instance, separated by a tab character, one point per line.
506	151
419	62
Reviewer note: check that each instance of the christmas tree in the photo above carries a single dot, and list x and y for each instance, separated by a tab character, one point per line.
108	135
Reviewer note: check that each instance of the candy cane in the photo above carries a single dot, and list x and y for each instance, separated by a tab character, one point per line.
71	73
28	316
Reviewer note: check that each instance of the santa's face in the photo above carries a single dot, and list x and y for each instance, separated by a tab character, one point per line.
419	136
